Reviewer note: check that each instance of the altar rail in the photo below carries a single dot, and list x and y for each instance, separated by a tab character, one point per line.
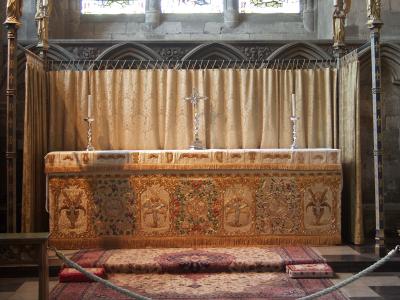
194	198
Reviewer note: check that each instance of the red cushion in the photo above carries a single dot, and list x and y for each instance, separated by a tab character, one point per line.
73	275
309	271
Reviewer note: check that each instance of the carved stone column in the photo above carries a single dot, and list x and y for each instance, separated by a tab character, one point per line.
153	13
12	23
231	14
308	16
374	24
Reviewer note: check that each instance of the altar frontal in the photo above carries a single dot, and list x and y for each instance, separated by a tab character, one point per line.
173	198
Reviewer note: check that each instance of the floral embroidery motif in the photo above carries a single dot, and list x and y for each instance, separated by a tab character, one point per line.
113	206
154	209
196	207
278	206
85	158
195	261
318	204
72	206
239	205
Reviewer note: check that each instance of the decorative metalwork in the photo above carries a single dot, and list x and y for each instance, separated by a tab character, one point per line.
269	6
294	120
375	24
105	3
89	121
43	9
13	12
374	12
12	22
268	3
113	6
194	99
339	19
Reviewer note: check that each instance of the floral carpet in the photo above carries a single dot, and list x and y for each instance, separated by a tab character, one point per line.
205	260
249	285
206	273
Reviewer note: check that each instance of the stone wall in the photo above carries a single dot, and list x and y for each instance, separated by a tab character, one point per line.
313	23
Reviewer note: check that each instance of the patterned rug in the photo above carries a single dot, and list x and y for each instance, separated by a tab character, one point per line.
203	260
250	285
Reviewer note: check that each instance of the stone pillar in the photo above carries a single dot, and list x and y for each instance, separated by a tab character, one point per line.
308	16
153	13
231	14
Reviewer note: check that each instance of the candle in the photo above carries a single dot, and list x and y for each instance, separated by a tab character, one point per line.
293	105
89	106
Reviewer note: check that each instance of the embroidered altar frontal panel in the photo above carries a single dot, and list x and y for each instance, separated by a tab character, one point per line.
280	204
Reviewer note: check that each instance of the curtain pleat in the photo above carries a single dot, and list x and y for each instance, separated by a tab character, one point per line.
349	142
34	216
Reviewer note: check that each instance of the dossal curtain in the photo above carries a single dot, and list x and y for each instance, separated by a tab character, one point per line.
35	145
349	140
145	109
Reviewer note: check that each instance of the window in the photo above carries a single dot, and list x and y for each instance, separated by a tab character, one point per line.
269	6
192	6
113	6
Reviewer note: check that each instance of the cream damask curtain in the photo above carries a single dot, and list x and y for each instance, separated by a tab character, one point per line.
349	140
145	109
35	145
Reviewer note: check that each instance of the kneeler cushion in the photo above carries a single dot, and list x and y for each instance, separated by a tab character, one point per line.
73	275
309	271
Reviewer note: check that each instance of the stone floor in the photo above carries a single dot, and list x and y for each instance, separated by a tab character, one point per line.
345	260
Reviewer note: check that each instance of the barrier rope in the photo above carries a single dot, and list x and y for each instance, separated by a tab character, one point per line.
323	292
354	277
93	277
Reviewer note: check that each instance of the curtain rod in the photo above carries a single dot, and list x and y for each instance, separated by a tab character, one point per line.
86	65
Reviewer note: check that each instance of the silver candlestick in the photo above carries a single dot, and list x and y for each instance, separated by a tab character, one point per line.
89	146
194	99
294	120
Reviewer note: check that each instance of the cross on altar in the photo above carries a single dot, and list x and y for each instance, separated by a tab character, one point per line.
194	100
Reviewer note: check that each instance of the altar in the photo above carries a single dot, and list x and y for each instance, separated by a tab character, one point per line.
176	198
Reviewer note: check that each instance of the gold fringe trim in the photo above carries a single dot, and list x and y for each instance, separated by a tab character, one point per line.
194	167
192	242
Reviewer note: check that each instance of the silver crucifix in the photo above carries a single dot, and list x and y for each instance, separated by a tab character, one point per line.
194	99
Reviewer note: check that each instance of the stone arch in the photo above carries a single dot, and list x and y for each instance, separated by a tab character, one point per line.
299	51
390	56
129	51
215	51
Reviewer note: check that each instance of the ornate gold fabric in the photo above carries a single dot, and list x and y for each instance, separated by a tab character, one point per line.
34	216
349	141
145	109
294	198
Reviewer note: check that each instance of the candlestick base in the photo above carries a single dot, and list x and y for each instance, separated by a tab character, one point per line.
294	120
197	145
89	146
